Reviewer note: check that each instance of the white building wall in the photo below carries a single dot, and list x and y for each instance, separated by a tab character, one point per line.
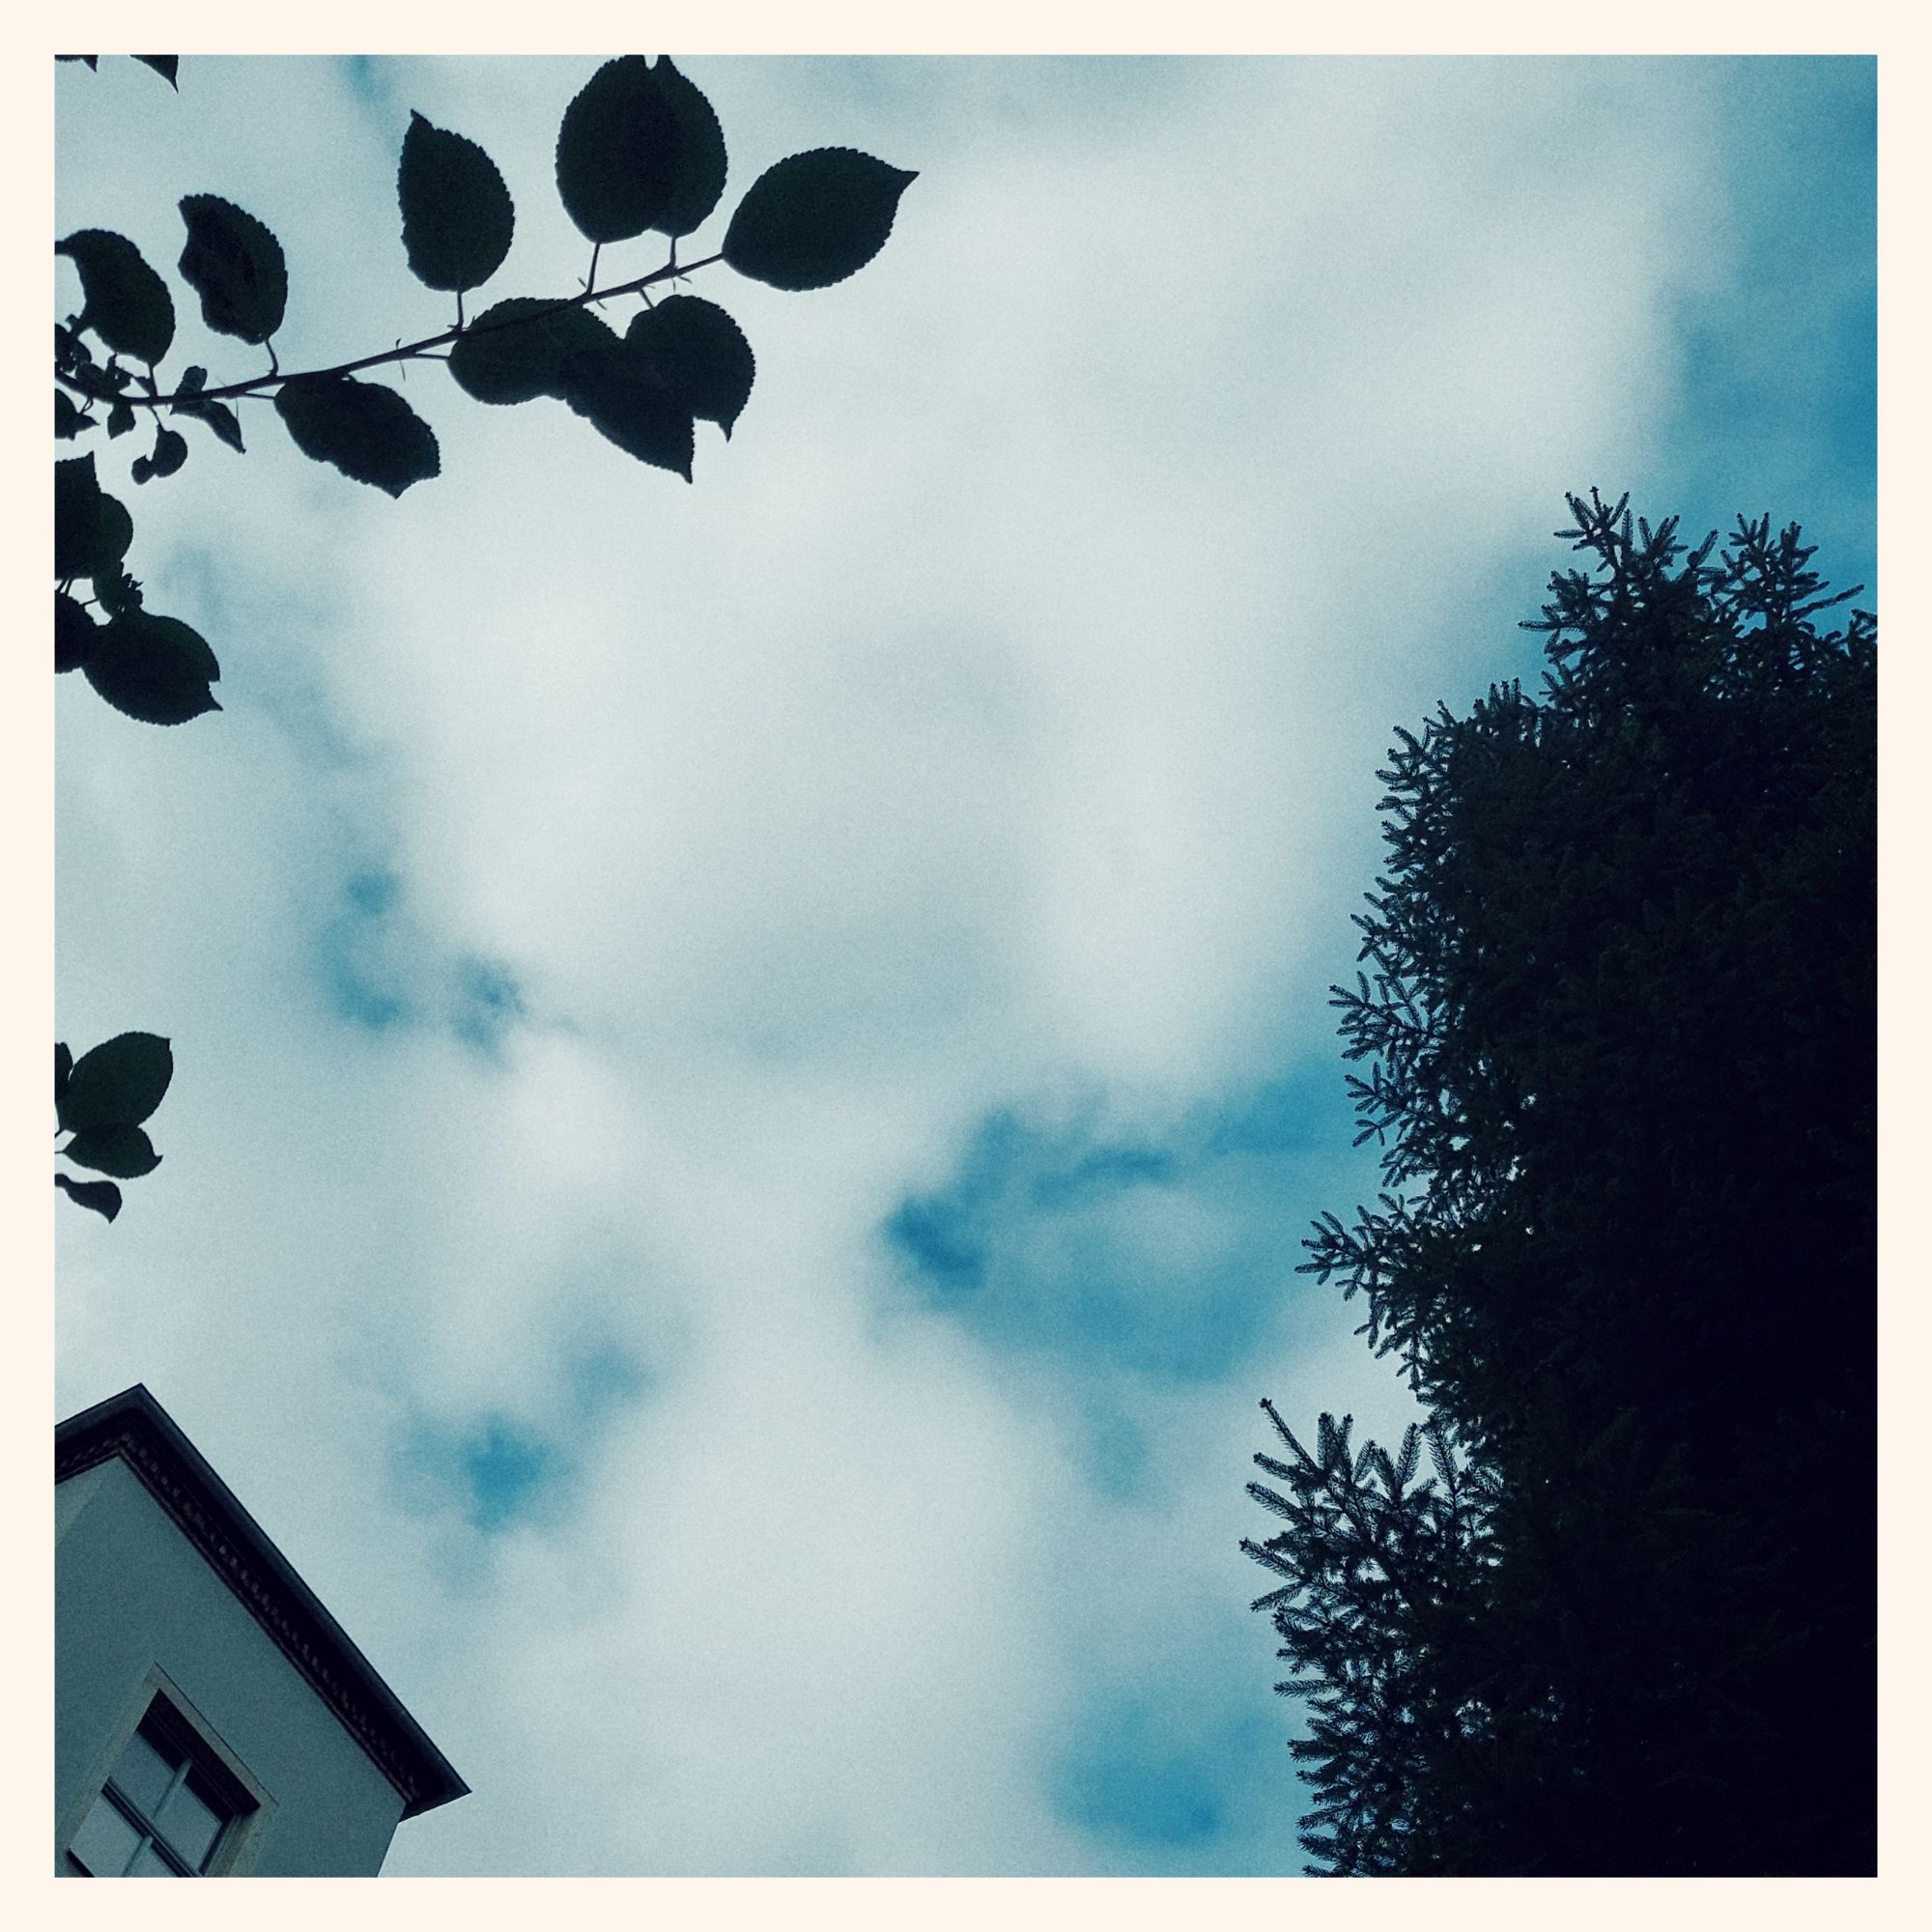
131	1593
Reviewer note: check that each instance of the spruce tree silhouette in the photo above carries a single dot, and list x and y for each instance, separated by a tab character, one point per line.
1619	1012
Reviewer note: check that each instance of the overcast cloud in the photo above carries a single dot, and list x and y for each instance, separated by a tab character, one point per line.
753	1058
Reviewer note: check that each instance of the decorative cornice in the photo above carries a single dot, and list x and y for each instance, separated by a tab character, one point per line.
134	1427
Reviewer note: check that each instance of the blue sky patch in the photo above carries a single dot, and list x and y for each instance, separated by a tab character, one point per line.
379	970
502	1468
1779	384
500	1471
356	955
1158	1779
1167	1256
487	1002
494	1469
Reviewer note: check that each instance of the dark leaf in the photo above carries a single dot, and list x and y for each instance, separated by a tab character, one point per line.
121	418
515	349
235	264
91	529
700	176
365	430
118	1083
814	218
613	387
153	669
218	416
222	420
127	304
69	422
163	65
616	152
88	59
116	532
170	450
457	218
105	384
143	469
126	1152
102	1196
75	632
63	1066
699	353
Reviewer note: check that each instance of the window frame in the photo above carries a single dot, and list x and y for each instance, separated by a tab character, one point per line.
166	1720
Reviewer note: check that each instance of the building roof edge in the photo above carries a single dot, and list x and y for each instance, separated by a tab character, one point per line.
134	1427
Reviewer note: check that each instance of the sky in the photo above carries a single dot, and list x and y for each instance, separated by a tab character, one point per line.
753	1058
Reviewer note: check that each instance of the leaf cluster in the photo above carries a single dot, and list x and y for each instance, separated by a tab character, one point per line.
152	668
102	1101
640	150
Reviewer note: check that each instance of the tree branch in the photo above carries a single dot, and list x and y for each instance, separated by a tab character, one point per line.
418	351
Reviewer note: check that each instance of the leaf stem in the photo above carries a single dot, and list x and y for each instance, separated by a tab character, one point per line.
414	350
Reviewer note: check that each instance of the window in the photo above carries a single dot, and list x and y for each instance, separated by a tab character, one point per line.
163	1810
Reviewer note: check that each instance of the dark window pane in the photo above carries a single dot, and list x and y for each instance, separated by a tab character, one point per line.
189	1823
105	1841
143	1772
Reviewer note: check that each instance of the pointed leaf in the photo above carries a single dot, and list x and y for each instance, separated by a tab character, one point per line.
515	351
63	1066
365	430
118	1083
74	632
235	264
91	529
69	422
153	669
814	218
126	1152
87	59
102	1196
457	218
218	416
616	152
127	304
699	353
163	65
614	388
120	418
699	176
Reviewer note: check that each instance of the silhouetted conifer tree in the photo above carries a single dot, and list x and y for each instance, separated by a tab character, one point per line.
1619	1020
